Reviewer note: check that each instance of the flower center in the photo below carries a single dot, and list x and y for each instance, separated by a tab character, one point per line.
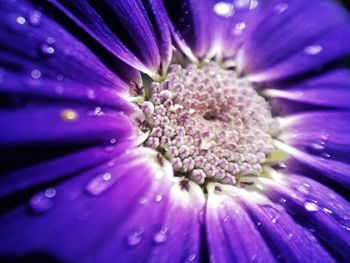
209	124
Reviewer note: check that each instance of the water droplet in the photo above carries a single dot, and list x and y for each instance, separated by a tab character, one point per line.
274	220
328	211
143	201
50	192
280	8
35	18
159	197
282	200
258	223
100	184
50	40
46	49
290	235
253	4
191	257
20	20
134	237
313	50
312	207
42	202
113	141
91	94
161	236
36	74
238	29
59	77
304	188
59	89
69	115
242	3
325	155
224	9
318	146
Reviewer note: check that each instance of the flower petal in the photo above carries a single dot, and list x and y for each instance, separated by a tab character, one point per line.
320	140
232	236
195	22
318	208
288	240
59	126
328	90
102	207
141	21
42	49
294	38
33	175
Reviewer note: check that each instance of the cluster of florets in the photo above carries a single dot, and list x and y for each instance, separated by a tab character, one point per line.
208	123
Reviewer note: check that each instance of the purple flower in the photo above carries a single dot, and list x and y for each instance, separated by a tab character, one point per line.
174	131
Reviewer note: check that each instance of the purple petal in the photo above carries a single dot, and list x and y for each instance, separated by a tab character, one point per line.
42	49
95	23
320	140
53	169
178	228
294	38
329	90
317	207
53	126
196	23
99	215
232	236
289	241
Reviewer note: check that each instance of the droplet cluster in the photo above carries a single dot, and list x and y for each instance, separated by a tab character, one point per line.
208	123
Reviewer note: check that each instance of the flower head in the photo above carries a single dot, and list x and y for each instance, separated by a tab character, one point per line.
174	131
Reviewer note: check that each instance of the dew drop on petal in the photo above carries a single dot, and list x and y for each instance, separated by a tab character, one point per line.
91	94
46	49
282	200
224	9
328	211
20	20
309	206
69	115
242	3
42	201
59	77
50	192
280	8
134	237
143	201
36	74
304	188
313	50
238	28
191	257
253	4
161	236
50	40
159	198
35	18
100	184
